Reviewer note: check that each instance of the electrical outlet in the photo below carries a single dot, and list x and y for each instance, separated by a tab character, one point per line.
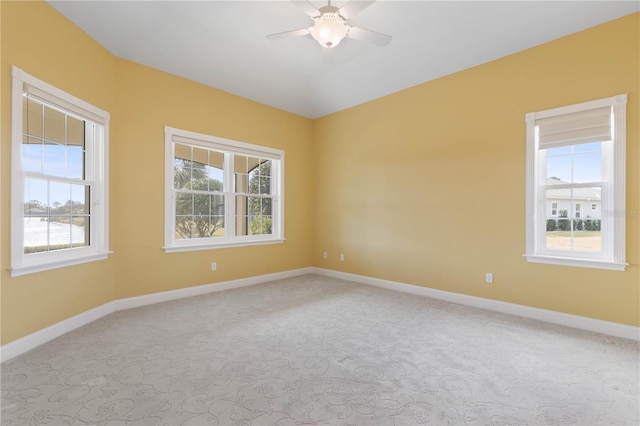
325	255
341	257
214	266
488	277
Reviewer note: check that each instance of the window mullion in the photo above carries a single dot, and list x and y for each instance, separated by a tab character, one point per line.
230	199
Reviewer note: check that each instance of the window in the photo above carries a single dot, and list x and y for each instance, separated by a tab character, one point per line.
221	193
59	190
576	156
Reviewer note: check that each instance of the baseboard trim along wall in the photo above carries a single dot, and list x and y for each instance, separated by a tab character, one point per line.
554	317
26	343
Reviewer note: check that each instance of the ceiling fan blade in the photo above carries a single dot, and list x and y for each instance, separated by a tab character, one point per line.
287	34
308	8
369	36
353	7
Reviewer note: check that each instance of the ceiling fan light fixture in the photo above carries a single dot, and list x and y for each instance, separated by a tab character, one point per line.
329	29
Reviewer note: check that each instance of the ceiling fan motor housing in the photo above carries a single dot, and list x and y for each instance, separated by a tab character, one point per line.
329	28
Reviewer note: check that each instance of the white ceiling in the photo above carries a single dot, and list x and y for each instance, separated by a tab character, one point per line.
222	44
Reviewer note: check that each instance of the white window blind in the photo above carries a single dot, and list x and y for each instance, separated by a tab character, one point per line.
588	126
66	103
217	143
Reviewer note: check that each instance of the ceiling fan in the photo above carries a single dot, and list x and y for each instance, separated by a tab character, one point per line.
331	25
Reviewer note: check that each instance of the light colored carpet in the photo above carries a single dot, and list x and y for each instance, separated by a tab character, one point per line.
316	350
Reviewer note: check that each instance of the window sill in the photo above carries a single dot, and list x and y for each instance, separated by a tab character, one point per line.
195	247
580	263
41	267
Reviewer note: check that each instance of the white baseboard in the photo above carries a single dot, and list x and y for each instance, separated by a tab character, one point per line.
28	342
560	318
165	296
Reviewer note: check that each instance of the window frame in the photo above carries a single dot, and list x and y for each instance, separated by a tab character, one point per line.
171	244
97	166
612	204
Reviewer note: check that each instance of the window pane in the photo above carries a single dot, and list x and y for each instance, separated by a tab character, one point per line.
240	164
184	204
79	199
201	226
54	159
75	162
267	225
75	132
259	179
217	226
35	215
254	183
215	171
265	168
35	234
265	185
32	119
201	204
266	206
255	225
588	236
31	155
217	205
242	181
558	168
182	152
253	163
200	155
54	125
254	205
199	179
59	232
184	226
60	197
558	235
80	231
181	174
587	167
36	197
242	221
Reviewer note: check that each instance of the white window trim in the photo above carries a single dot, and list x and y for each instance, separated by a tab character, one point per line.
616	261
21	263
172	245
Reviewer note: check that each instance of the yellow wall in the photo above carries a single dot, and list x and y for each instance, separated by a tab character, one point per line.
148	100
427	186
32	302
141	102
